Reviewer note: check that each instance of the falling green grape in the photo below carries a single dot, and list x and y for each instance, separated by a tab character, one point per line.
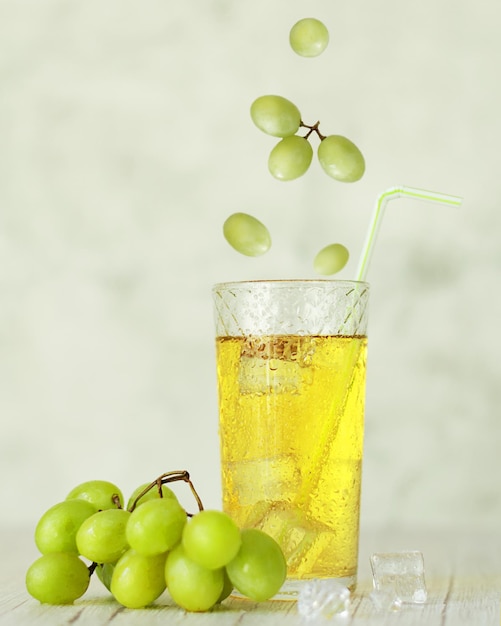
211	539
341	159
259	568
57	578
101	538
192	587
290	158
246	234
57	528
138	580
331	259
101	493
156	526
309	37
275	115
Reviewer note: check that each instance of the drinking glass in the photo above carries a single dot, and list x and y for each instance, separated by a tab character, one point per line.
291	365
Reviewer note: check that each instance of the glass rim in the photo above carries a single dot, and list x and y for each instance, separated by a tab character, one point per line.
290	281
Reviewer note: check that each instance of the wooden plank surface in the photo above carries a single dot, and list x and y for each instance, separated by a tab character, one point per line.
463	576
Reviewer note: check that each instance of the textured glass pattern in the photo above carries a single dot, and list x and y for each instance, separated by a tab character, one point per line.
296	307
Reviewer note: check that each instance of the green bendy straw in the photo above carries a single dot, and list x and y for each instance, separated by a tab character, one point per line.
392	194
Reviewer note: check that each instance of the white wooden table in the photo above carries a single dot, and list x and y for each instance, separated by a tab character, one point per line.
463	576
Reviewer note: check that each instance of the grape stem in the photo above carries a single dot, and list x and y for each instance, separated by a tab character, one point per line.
115	498
314	128
170	477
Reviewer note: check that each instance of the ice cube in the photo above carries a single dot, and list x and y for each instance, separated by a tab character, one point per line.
277	477
401	575
303	540
323	598
385	600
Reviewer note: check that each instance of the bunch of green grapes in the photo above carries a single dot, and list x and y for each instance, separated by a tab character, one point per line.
152	545
291	157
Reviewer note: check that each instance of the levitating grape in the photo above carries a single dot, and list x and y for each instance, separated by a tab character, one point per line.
309	37
341	159
290	158
246	234
331	259
275	115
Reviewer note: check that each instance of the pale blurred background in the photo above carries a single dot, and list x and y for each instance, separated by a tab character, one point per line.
125	141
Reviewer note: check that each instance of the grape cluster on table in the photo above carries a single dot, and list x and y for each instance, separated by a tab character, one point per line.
291	157
149	547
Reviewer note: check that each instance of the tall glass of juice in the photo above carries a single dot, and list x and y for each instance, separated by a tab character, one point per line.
291	364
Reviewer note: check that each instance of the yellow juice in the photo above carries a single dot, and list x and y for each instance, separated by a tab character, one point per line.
291	432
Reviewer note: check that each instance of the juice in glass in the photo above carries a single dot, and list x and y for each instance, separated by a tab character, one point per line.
291	361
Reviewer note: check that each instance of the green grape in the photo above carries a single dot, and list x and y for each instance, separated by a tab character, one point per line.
246	234
101	538
101	493
57	528
138	580
290	158
309	37
331	259
259	569
104	572
275	116
191	586
156	526
341	159
211	539
152	494
57	578
227	587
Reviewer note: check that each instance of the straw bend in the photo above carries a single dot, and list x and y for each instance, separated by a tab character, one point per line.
391	194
